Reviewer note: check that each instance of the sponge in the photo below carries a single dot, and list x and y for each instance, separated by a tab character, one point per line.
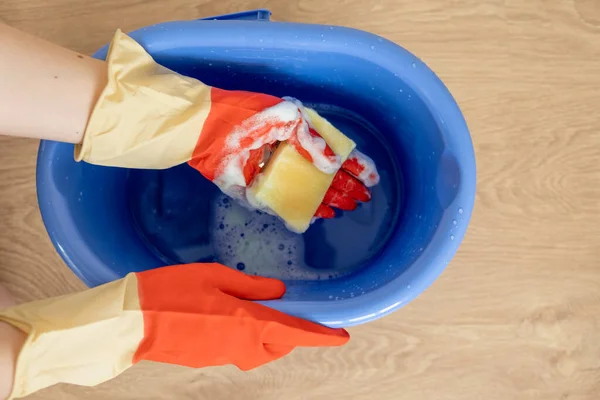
291	186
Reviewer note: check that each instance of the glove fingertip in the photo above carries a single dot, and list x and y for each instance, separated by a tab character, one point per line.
269	288
336	337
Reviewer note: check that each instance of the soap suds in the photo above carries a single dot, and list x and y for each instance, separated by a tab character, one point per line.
368	175
259	244
315	145
274	124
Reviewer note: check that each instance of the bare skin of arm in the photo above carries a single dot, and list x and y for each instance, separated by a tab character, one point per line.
46	91
11	341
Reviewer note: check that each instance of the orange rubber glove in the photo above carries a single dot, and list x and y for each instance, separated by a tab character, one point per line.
200	314
195	315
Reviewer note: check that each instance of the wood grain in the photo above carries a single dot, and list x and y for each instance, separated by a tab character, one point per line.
517	313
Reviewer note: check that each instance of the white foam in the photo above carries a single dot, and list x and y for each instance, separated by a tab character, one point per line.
230	173
229	176
369	175
261	242
315	146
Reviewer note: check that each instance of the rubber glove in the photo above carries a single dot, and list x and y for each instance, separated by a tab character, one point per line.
151	117
195	315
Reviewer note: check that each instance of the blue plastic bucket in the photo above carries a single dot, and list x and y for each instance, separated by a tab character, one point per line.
106	222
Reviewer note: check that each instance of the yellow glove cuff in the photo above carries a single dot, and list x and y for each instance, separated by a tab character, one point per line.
147	116
84	338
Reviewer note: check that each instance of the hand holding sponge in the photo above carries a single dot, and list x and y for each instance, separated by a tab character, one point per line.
268	152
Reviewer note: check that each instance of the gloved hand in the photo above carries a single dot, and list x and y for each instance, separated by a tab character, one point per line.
195	315
151	117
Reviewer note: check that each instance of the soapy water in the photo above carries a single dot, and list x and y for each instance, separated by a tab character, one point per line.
258	243
182	217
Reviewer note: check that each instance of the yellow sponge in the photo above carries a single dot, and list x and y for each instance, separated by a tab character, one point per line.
291	186
339	143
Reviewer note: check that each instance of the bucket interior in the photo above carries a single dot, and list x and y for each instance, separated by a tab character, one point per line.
131	220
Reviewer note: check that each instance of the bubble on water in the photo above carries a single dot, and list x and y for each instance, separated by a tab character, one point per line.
330	297
221	226
420	249
460	210
451	237
454	222
274	252
241	266
210	64
414	65
372	47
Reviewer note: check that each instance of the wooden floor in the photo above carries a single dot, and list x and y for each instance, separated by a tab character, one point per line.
517	313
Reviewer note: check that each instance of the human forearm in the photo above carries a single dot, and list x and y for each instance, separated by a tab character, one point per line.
11	342
46	91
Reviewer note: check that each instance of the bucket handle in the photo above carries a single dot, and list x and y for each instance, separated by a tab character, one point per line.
261	14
